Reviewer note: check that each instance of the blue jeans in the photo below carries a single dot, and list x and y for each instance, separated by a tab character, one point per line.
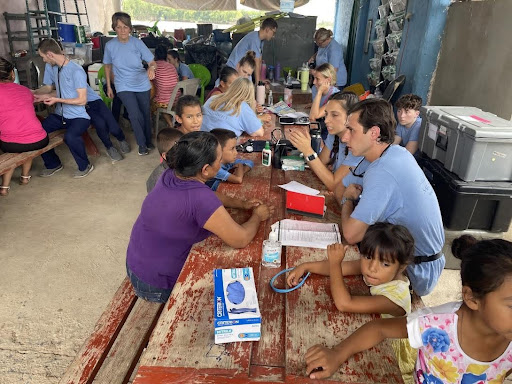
103	119
73	138
146	291
137	105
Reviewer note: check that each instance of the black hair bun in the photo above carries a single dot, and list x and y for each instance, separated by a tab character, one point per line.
461	244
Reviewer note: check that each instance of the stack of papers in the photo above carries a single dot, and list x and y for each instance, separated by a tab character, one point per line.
307	233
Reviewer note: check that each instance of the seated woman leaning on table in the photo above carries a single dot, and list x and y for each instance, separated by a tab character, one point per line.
233	110
334	153
181	211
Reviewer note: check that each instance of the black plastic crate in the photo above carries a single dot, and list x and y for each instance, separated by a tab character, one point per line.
469	205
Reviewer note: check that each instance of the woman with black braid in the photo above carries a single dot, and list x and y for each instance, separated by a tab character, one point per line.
333	162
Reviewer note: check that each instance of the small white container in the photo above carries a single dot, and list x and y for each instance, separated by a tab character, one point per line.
271	252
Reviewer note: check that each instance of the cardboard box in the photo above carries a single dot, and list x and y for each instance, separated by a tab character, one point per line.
304	204
236	311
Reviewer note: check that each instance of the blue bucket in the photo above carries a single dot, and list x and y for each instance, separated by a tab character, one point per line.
67	32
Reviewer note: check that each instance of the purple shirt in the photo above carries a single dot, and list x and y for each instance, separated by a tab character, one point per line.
170	222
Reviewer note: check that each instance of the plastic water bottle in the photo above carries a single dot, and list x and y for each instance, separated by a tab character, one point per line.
263	72
271	253
278	72
260	93
270	98
289	78
266	155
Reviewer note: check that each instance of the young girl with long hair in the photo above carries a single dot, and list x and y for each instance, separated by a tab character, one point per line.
334	154
233	110
463	342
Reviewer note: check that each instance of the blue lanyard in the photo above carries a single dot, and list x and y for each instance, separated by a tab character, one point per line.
279	290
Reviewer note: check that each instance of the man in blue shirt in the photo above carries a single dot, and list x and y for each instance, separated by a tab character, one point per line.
253	41
70	99
394	189
101	117
407	131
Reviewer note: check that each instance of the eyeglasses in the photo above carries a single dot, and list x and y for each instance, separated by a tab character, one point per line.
353	171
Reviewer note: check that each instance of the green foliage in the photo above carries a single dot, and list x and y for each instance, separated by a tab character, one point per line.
141	10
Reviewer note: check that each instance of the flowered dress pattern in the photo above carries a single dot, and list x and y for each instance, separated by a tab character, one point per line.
440	358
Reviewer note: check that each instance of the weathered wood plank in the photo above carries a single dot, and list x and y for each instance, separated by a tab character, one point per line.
12	160
131	340
177	340
90	357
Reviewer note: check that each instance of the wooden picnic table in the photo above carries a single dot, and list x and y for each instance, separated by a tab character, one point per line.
182	349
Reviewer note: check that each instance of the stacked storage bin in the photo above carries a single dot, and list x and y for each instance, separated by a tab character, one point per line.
388	36
468	160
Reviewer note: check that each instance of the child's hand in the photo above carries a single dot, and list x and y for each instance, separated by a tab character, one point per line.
336	253
329	360
295	276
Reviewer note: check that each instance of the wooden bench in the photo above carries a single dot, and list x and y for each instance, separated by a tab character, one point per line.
112	352
10	161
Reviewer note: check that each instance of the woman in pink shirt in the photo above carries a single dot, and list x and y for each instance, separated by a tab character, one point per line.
20	129
166	78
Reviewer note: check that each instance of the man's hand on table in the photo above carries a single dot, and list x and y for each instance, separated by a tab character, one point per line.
353	192
323	362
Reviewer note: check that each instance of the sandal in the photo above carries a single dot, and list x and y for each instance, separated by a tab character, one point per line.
24	179
4	191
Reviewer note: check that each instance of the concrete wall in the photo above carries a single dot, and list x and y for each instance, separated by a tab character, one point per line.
475	62
99	11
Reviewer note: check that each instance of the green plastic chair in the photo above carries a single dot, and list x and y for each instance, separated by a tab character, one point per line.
102	80
202	73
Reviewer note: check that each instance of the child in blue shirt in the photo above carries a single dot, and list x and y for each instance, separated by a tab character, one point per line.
409	123
227	140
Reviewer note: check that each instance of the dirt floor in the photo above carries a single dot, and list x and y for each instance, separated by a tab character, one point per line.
62	256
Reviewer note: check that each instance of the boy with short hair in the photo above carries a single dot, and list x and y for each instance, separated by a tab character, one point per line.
165	140
409	122
189	114
227	140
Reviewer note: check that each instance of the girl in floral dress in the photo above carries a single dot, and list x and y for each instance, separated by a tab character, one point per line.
468	342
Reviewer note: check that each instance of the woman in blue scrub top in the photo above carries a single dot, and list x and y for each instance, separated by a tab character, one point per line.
124	56
330	51
324	80
233	110
334	154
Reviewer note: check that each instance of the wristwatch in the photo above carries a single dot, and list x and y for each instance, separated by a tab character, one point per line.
345	199
312	157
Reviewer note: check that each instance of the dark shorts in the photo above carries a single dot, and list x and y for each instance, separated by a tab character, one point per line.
19	148
146	291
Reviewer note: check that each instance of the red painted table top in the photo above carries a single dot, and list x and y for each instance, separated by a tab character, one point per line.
182	349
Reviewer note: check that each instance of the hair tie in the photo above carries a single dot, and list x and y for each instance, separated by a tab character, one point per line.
281	290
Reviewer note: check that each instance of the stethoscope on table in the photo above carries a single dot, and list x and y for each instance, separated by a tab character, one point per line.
286	290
